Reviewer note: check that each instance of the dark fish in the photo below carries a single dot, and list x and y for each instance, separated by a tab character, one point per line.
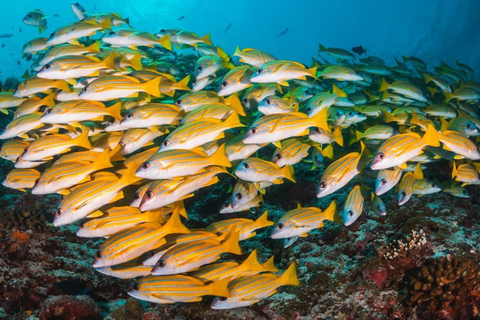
6	35
284	32
19	29
181	18
19	63
359	50
227	28
72	287
56	15
3	45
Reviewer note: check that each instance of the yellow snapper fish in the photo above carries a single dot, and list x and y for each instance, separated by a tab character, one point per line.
242	193
68	50
7	100
258	170
405	188
402	147
274	104
176	288
200	84
219	111
71	33
35	45
131	243
194	134
235	80
457	191
281	71
404	88
250	205
300	221
323	100
237	150
425	186
34	104
51	145
378	132
21	179
135	139
165	192
337	53
323	136
246	227
132	38
109	87
117	219
249	290
12	149
36	85
340	172
171	164
65	175
190	256
152	114
276	127
465	173
230	269
458	143
255	94
80	110
387	179
72	67
137	199
253	57
90	196
210	64
128	270
36	18
340	73
291	152
183	37
463	93
378	206
20	126
353	206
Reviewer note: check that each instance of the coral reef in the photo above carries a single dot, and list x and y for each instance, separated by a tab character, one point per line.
68	307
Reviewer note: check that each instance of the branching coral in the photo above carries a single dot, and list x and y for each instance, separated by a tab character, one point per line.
408	253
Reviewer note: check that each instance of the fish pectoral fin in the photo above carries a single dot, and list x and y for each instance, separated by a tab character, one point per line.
63	192
284	83
95	214
117	197
187	196
278	181
403	165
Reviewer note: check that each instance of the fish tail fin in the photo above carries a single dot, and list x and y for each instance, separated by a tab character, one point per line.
107	24
41	29
129	177
63	85
320	119
183	84
109	61
312	72
270	265
288	173
432	90
358	135
165	42
180	207
115	110
82	140
448	96
103	160
327	152
418	173
384	86
388	116
339	92
262	221
338	137
136	62
94	47
251	263
233	121
219	157
232	243
206	39
329	213
431	136
152	87
175	224
444	125
289	277
321	48
237	51
235	103
220	288
49	100
454	170
427	77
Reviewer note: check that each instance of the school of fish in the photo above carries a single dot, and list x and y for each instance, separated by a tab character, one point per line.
126	124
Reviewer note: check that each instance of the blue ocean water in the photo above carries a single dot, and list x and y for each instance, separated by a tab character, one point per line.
430	30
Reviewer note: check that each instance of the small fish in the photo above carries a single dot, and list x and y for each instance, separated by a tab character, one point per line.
35	18
340	73
246	227
12	149
135	139
78	10
72	67
249	290
79	110
461	145
387	179
21	179
378	205
457	191
465	173
359	50
353	206
71	33
274	104
405	188
280	71
227	28
258	170
253	205
235	80
300	221
6	35
291	152
284	32
339	54
180	18
128	270
253	57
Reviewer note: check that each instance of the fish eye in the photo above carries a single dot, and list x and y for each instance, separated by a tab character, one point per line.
199	69
29	15
383	182
245	165
222	298
129	116
111	121
58	212
339	113
149	194
380	155
469	126
136	287
226	204
165	143
47	66
145	165
194	82
253	130
433	185
162	31
323	185
122	144
464	192
137	196
308	109
161	263
267	101
244	100
178	102
404	194
350	213
280	226
111	33
239	196
98	254
48	111
350	113
259	71
278	156
224	84
379	207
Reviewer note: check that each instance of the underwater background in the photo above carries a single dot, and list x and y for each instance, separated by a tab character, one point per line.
380	267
